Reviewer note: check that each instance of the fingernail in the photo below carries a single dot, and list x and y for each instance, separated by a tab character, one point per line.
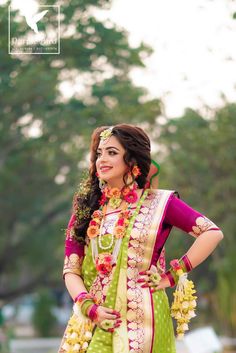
140	280
144	286
119	321
142	273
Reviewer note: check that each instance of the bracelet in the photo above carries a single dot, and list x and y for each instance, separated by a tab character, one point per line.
92	314
79	296
85	305
186	264
171	277
83	296
183	264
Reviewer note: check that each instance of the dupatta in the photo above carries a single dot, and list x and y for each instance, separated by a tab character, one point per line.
141	247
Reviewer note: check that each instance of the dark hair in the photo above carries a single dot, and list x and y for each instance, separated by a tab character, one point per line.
137	152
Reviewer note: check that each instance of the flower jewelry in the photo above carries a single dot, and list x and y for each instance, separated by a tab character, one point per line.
114	197
105	134
183	307
136	171
78	332
104	263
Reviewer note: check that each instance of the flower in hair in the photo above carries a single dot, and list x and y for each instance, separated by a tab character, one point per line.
105	134
136	171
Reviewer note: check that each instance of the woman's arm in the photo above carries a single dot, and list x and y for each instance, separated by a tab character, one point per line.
203	246
74	285
207	235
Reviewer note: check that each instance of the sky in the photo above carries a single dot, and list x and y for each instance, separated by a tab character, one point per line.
194	59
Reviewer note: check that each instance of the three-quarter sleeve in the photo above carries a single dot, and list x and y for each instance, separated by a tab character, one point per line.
181	215
74	252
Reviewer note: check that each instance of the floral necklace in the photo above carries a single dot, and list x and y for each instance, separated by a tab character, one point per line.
113	197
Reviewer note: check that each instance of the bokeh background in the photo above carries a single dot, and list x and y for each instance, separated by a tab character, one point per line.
168	67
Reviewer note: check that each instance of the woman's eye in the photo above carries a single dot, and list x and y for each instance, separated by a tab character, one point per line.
112	153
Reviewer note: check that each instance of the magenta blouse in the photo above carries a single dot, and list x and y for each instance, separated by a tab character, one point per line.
177	214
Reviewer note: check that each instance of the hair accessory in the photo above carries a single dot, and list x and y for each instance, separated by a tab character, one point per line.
136	171
105	134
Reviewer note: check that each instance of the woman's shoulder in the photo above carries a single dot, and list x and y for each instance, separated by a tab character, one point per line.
163	192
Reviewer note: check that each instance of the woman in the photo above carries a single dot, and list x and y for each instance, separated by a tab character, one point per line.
115	243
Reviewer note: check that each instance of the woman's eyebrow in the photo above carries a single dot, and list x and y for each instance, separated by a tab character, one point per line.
108	148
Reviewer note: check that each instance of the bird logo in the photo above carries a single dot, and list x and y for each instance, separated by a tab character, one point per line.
32	20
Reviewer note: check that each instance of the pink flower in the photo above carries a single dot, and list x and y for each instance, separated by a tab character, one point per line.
175	265
121	222
92	223
102	200
131	197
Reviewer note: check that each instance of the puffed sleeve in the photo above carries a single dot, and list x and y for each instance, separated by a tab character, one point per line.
181	215
74	252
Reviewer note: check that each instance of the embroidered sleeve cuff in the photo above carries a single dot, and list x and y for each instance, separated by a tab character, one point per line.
73	264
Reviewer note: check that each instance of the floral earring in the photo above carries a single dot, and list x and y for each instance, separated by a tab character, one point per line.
102	183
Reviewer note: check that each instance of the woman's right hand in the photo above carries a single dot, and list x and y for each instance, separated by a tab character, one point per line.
107	319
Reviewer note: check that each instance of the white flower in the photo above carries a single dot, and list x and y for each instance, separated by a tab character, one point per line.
185	327
193	303
76	309
66	346
76	347
191	314
85	345
185	305
74	335
88	335
178	316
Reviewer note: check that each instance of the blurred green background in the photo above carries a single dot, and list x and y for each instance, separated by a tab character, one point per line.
44	143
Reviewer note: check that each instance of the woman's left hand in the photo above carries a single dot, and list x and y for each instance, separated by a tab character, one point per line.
151	278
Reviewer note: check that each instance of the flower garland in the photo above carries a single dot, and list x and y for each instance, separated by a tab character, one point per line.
184	304
105	261
78	332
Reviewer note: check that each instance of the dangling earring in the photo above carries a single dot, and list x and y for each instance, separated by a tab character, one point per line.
102	183
129	179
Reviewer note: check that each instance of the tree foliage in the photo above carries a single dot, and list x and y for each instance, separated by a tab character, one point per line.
199	156
45	136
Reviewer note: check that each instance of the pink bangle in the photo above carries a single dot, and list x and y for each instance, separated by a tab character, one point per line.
92	314
80	296
187	263
170	278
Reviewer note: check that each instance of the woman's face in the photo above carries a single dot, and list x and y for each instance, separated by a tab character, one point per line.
110	163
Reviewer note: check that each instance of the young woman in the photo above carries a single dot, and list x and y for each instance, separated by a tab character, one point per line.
114	251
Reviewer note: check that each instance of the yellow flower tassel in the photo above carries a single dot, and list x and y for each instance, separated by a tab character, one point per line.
184	304
78	333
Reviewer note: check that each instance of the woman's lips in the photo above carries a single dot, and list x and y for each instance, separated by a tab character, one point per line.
105	169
